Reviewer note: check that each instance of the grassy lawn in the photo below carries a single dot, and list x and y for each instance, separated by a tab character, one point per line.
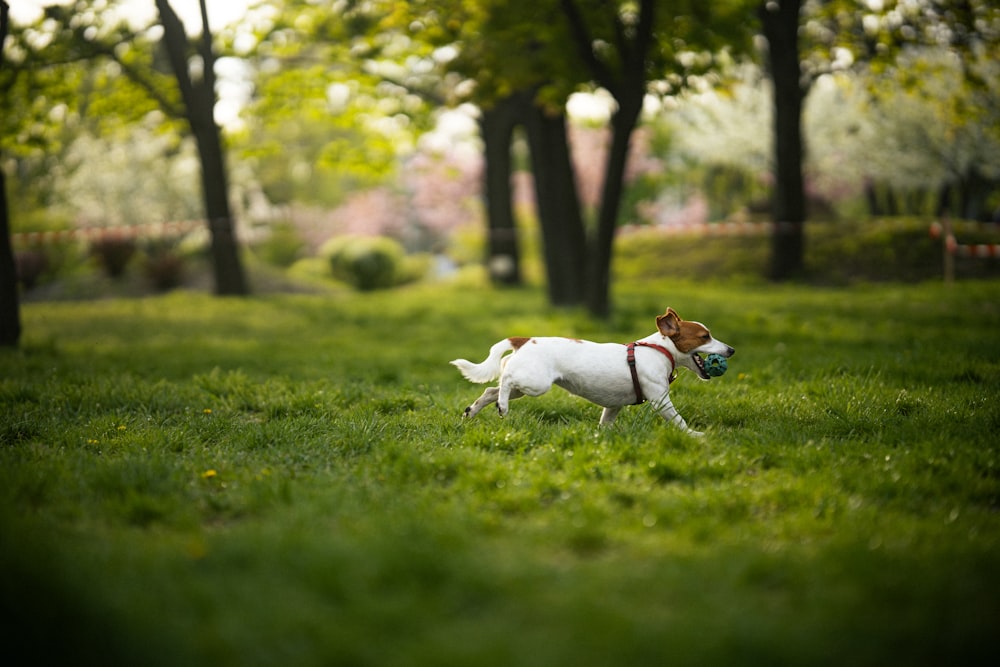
286	480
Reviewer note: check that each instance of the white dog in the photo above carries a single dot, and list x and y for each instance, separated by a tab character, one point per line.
608	374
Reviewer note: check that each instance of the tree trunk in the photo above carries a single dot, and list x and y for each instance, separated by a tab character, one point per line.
623	124
199	101
780	19
10	311
496	125
563	234
227	269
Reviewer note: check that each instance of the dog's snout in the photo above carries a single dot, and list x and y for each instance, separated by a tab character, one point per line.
730	351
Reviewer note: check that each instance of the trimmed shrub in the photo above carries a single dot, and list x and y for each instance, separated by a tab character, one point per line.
366	263
31	265
163	265
113	254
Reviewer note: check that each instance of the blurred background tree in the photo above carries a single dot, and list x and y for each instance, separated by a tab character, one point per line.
388	118
526	59
82	68
193	67
10	312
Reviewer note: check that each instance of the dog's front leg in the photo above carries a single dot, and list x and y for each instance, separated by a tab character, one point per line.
667	410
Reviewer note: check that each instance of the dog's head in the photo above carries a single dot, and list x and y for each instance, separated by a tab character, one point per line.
691	340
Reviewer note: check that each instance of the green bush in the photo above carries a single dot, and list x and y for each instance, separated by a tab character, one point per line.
31	264
367	263
310	269
163	264
40	261
113	254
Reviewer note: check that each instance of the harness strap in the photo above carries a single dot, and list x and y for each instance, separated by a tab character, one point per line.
630	358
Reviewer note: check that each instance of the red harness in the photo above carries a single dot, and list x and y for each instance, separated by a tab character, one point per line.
639	398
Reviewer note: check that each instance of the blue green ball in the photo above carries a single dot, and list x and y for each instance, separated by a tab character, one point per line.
716	365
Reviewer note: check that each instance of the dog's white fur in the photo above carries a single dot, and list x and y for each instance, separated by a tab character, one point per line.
597	372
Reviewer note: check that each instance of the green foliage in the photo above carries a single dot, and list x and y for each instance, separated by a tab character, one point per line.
525	45
305	149
144	177
335	101
79	67
161	473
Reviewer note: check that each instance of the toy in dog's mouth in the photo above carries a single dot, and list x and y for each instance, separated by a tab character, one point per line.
700	363
712	366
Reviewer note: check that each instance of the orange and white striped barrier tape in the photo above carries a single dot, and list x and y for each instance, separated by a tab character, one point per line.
975	250
130	232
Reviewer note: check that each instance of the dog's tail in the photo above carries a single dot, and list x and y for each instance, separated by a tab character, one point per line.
487	370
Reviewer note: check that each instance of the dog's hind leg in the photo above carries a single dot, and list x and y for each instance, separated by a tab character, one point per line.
608	415
506	395
489	396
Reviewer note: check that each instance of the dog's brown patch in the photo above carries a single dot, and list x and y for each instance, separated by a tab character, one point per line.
686	335
690	336
518	341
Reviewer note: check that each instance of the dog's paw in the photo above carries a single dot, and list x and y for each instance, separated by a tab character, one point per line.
695	434
468	413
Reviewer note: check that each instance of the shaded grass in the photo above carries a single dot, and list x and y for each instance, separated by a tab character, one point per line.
285	480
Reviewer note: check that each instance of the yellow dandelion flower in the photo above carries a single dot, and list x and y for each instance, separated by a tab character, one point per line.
209	474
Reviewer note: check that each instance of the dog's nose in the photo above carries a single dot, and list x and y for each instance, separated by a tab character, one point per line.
730	352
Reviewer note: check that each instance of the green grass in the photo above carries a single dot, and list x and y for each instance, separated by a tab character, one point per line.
286	480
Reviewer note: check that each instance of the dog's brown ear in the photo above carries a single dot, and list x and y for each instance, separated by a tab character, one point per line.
669	323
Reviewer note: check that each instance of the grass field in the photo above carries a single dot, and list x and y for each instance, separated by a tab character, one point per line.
286	480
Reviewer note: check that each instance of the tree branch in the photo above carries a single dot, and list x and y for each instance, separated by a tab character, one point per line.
207	52
585	44
136	76
624	47
4	26
644	32
426	95
174	40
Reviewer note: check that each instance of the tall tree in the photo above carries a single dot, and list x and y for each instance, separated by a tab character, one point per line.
84	33
10	312
542	51
807	39
496	126
903	44
631	49
199	97
780	23
515	52
564	237
626	78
